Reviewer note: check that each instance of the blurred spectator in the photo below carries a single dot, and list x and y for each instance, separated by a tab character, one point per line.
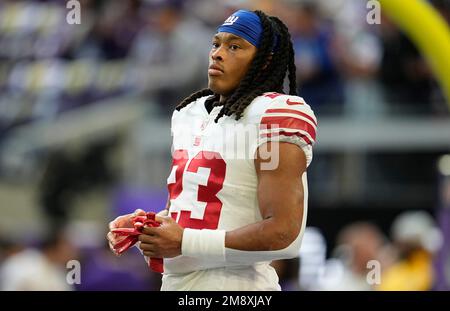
39	269
314	43
357	244
407	79
170	55
312	258
359	51
417	239
116	28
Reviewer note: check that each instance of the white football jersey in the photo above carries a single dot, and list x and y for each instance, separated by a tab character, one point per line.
213	181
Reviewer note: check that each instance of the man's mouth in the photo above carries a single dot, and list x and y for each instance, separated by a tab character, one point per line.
215	70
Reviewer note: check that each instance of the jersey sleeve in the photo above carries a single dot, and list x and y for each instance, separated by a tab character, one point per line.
289	119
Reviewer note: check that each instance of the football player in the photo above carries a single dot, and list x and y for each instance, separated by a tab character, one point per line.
241	147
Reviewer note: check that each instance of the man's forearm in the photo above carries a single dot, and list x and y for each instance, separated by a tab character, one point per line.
266	235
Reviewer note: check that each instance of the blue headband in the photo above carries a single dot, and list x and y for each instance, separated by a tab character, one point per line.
244	24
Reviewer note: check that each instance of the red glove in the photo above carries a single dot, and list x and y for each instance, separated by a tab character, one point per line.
156	264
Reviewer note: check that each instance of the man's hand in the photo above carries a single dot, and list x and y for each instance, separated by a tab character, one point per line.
163	241
121	222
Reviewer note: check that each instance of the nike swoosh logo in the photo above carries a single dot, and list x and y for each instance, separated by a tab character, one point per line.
293	103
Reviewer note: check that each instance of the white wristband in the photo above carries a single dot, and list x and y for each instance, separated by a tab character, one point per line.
203	244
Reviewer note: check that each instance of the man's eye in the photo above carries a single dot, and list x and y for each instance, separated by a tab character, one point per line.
215	45
234	47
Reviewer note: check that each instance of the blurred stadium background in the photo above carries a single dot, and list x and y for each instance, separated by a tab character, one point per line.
84	137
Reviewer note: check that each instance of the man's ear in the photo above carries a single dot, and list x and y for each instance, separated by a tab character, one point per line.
269	59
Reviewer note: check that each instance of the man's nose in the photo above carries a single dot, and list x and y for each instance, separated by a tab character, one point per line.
217	55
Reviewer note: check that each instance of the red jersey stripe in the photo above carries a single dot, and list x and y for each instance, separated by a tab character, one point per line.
288	123
293	112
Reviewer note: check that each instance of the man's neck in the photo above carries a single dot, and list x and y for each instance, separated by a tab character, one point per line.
209	104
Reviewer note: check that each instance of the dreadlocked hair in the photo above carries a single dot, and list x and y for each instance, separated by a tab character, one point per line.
267	71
